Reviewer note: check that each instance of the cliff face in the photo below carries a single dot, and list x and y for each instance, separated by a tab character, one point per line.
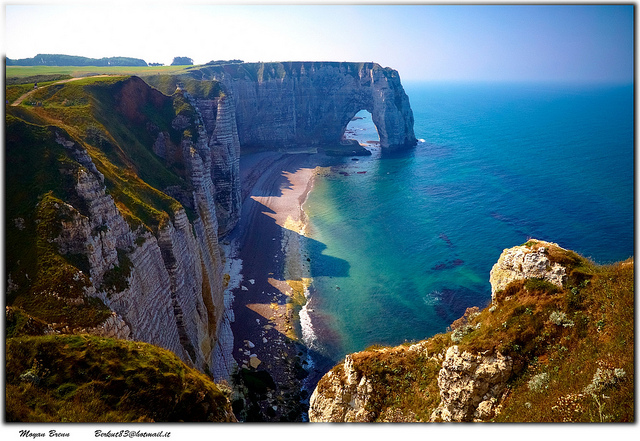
302	104
552	346
138	232
174	294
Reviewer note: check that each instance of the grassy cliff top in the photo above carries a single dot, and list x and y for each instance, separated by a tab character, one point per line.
84	71
565	343
82	378
116	119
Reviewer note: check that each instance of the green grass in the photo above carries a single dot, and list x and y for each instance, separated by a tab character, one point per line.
113	121
37	170
55	290
90	379
192	81
83	71
41	79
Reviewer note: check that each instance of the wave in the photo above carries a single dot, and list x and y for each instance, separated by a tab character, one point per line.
432	298
309	336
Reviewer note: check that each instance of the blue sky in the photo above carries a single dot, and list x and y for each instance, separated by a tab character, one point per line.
582	43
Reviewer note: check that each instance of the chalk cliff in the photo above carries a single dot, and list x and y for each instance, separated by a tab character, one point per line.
139	232
174	293
301	104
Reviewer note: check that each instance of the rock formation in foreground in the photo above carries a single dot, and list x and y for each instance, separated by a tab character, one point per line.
555	344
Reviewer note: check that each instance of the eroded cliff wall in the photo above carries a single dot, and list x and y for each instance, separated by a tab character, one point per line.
300	104
146	194
310	103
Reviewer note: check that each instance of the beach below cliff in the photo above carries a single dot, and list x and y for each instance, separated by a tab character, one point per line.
269	289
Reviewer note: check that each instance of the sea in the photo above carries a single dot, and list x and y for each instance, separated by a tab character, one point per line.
401	244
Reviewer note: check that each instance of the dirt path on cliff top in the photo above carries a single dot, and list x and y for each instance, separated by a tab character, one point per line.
32	91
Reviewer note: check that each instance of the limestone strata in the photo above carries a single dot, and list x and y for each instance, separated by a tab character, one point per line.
224	143
342	397
471	385
523	262
174	295
301	104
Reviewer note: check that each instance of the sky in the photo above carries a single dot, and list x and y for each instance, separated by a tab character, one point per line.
472	42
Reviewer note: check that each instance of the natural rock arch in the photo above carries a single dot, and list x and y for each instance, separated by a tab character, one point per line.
349	126
284	105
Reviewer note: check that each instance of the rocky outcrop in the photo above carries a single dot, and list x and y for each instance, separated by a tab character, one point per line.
343	396
526	262
302	104
471	385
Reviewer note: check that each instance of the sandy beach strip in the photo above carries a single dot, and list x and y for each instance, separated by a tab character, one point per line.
270	243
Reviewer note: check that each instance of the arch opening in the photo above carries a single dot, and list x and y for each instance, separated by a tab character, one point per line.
362	129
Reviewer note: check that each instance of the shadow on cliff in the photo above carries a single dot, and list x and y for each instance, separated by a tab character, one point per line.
260	247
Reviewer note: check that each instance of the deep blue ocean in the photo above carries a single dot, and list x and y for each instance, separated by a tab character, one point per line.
402	244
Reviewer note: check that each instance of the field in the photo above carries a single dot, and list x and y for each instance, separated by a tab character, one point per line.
83	71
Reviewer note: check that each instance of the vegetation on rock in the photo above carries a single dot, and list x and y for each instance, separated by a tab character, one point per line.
82	378
571	347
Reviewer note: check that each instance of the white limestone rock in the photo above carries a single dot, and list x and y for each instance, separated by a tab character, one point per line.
522	262
471	385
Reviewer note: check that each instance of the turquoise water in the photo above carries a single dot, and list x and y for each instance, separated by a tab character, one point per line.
403	243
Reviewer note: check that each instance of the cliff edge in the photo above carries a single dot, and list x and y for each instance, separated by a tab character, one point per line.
555	345
113	215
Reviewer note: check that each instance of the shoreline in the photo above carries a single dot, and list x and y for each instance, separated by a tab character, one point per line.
272	331
270	288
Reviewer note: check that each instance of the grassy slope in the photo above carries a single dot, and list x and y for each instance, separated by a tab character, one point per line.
112	117
116	120
82	378
38	178
562	336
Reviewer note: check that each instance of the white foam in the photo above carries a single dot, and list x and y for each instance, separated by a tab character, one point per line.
433	298
309	336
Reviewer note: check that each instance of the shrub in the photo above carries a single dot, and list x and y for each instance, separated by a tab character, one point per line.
539	382
559	318
603	379
541	285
